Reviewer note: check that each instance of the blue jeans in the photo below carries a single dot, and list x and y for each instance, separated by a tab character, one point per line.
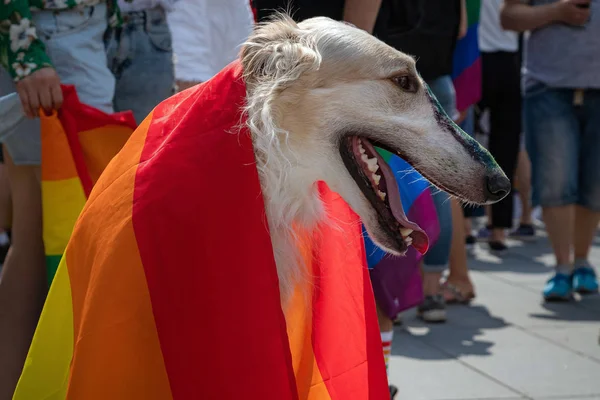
563	142
140	55
436	259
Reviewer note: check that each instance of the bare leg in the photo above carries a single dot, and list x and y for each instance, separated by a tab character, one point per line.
385	324
386	327
431	283
468	226
498	235
459	273
586	224
23	284
559	224
523	177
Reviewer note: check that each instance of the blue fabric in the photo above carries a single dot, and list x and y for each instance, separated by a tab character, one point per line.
411	185
466	52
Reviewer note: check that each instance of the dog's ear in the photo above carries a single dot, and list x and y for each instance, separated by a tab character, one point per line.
278	51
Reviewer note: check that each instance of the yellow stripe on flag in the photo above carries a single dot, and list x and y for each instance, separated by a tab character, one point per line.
46	371
62	202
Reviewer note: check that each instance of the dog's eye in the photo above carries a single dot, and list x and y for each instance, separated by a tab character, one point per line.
406	83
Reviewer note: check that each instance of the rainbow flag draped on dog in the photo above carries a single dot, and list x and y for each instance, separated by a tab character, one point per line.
77	144
163	292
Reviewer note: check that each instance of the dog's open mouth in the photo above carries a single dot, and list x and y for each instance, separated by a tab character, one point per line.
376	180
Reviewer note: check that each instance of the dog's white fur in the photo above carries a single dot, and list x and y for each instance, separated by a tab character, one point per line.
309	83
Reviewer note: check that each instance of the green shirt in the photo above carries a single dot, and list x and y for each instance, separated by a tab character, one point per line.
21	51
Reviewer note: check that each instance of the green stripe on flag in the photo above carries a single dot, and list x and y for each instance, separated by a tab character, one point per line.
51	267
384	153
473	7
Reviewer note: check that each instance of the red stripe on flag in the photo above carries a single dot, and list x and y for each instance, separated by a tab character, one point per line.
199	221
346	337
77	117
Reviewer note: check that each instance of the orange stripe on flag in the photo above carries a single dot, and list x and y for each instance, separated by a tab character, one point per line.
299	316
100	145
56	154
122	359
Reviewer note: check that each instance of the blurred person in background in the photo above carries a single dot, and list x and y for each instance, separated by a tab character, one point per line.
55	42
361	13
522	185
140	55
458	287
429	30
501	96
207	35
562	125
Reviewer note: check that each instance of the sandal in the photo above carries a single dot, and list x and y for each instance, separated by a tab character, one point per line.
456	295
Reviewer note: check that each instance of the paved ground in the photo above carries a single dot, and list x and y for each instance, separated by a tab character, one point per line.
508	344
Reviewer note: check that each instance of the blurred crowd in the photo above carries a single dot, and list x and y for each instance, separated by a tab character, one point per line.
523	78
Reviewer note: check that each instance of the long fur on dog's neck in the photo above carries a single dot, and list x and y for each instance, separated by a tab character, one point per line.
275	56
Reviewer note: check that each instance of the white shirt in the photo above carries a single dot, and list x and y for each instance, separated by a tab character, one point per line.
491	35
207	35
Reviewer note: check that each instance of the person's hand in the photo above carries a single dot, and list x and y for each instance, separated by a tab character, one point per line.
40	89
573	12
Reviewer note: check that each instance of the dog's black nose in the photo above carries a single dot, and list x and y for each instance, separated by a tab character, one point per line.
497	186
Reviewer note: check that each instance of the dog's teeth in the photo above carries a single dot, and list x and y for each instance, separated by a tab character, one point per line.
408	241
406	231
381	195
376	178
365	158
372	164
361	149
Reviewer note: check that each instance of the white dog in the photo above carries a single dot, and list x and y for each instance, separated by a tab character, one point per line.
321	94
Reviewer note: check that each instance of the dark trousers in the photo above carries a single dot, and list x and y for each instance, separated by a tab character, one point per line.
501	95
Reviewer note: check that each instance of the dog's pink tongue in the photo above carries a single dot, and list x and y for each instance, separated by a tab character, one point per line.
420	239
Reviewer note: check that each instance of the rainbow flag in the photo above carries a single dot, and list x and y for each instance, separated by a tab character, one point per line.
397	280
168	287
466	73
77	144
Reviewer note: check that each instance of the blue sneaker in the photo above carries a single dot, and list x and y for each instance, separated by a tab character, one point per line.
584	279
559	287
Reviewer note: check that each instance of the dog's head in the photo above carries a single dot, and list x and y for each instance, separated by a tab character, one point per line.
328	93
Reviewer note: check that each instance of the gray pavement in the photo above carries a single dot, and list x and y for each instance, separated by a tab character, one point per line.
508	344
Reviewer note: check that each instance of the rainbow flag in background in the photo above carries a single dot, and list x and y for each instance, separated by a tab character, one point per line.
168	288
77	144
466	73
397	281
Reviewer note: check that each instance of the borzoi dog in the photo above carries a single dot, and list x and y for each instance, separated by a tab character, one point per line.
320	96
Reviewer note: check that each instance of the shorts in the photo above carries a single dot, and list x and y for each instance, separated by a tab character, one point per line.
140	55
74	43
563	143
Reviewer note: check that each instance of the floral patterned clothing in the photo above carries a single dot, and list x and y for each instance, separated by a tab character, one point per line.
21	51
